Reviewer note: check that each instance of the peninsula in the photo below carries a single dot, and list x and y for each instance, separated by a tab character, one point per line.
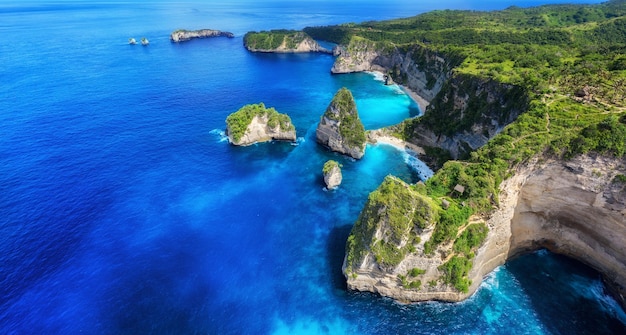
183	35
255	123
531	105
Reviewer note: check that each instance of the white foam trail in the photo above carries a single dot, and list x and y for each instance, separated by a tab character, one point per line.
423	171
220	133
298	141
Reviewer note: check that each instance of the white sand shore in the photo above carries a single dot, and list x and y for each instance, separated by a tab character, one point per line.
377	136
421	102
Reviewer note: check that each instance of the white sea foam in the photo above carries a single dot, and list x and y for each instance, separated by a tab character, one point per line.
423	171
220	134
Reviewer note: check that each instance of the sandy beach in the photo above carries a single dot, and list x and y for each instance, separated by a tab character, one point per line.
421	102
377	136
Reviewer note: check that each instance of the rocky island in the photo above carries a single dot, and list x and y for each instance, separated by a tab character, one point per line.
537	163
183	35
332	174
256	123
282	41
340	129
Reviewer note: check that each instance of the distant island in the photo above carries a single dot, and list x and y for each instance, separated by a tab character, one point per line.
526	118
255	123
282	41
183	35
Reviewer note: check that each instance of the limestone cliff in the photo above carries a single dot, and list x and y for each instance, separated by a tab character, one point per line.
576	208
282	41
186	35
463	112
466	113
332	174
255	123
340	129
421	70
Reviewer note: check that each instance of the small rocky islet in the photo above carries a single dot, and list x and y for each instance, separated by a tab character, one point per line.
256	123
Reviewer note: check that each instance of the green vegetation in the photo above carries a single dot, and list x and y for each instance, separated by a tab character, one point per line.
329	166
620	178
271	40
471	238
414	272
405	213
554	75
239	121
343	109
410	284
455	272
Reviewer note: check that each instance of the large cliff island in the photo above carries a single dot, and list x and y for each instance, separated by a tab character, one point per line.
282	41
531	104
183	35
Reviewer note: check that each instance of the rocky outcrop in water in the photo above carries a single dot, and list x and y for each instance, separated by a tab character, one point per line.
255	123
332	174
282	41
186	35
340	129
576	208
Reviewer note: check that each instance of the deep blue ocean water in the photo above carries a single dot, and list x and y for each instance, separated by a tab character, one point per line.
123	210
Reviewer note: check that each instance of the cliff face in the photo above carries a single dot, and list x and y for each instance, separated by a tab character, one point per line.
186	35
463	112
466	113
259	131
282	42
576	208
340	128
419	69
332	175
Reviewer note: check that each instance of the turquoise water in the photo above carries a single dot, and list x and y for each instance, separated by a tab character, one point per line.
124	210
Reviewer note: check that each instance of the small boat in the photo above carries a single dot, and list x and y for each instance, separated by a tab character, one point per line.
144	41
132	41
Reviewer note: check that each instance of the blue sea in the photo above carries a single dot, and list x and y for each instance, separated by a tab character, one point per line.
124	210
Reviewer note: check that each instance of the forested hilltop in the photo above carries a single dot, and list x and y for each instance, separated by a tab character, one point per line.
547	82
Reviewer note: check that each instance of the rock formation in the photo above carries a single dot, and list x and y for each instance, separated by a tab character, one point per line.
576	208
255	123
332	174
282	41
186	35
340	128
481	107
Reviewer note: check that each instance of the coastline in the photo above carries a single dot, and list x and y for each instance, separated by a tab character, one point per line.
418	99
421	102
379	136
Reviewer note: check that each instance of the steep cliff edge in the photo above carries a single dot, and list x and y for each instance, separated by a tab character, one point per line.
419	69
463	111
340	129
282	41
186	35
255	123
577	208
